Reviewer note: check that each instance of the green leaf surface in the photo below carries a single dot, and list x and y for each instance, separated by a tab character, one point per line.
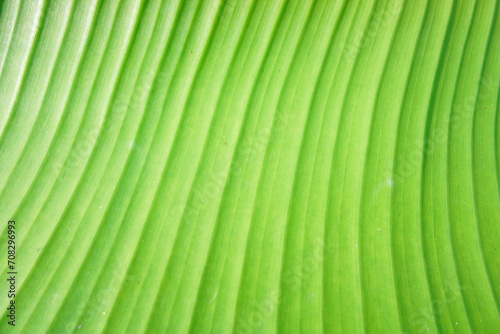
227	166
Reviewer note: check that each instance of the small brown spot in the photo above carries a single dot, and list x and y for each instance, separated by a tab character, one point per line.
138	282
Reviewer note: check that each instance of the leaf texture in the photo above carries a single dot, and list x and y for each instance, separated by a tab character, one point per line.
226	166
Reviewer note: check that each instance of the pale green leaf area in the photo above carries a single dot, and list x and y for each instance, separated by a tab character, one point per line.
251	166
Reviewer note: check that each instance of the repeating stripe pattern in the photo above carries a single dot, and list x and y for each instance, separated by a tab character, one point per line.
225	166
